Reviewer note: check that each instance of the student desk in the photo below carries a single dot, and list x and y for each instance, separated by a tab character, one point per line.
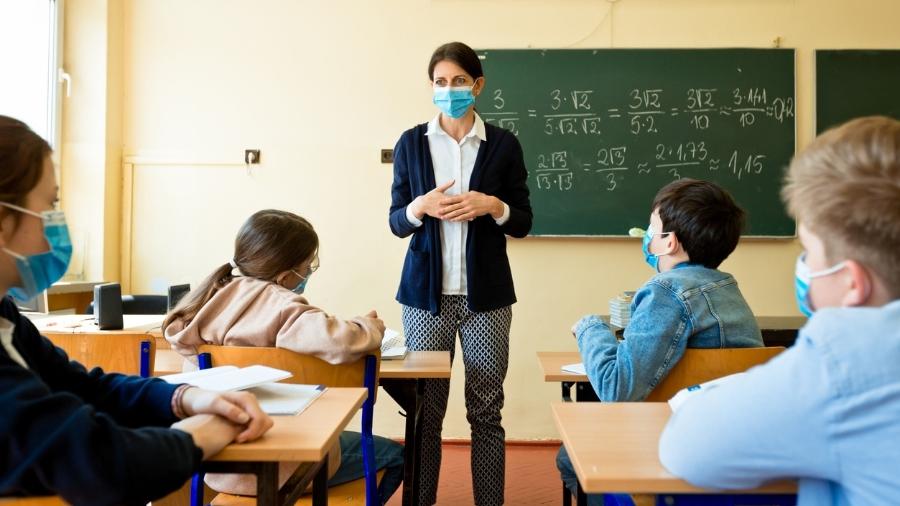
613	448
71	295
776	331
86	324
551	363
404	380
303	438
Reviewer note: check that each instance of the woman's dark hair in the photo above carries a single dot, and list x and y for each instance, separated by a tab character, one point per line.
460	54
22	156
703	216
268	243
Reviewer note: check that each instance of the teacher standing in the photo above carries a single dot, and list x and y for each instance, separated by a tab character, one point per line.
459	188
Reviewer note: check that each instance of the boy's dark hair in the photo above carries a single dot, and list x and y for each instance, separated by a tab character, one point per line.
703	216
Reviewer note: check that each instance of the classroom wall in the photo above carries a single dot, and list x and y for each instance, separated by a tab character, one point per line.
90	156
320	87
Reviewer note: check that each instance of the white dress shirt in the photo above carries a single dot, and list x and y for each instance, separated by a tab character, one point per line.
454	161
6	336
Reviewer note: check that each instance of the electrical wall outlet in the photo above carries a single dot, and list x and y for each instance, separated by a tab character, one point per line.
387	156
251	156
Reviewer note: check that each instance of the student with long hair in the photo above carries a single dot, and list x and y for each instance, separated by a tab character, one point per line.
255	299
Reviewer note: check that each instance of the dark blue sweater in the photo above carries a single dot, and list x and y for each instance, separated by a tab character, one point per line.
499	171
90	437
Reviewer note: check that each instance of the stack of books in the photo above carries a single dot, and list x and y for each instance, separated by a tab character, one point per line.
620	309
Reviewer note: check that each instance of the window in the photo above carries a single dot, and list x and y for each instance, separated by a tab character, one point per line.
30	51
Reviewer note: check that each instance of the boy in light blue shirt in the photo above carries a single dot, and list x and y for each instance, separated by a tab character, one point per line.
689	303
827	411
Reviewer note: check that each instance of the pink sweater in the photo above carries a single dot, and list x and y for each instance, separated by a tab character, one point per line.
252	312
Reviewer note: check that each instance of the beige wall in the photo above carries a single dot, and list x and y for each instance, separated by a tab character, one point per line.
90	166
320	87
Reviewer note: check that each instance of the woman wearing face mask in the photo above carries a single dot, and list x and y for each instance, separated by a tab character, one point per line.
63	426
459	188
255	299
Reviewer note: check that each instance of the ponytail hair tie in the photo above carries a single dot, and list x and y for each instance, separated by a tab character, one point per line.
233	263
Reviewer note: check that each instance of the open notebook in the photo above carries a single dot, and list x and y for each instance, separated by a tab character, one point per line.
274	398
393	346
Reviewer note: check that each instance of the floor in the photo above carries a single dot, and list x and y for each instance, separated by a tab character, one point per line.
531	476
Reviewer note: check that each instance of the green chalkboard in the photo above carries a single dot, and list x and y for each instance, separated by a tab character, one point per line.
602	130
854	83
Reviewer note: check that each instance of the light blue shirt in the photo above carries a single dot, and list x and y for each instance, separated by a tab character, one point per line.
826	411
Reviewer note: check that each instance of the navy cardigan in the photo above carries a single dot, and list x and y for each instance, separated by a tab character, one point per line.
92	438
499	171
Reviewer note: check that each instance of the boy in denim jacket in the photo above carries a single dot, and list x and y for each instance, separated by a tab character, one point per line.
827	410
694	226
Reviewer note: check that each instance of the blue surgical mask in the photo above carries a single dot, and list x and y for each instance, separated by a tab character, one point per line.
802	278
301	286
39	271
651	259
453	101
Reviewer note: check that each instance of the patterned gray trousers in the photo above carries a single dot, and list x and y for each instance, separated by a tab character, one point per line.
484	340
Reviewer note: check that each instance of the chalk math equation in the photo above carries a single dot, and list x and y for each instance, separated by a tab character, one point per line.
632	138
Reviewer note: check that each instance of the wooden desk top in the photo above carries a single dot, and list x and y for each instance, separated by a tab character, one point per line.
416	365
86	324
551	366
302	438
73	287
613	447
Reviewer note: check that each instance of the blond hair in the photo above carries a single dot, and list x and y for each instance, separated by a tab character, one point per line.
845	188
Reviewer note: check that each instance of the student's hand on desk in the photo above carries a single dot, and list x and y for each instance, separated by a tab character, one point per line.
240	408
210	433
430	202
470	205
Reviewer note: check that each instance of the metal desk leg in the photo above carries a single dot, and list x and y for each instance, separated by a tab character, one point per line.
409	394
567	391
320	485
417	438
581	497
267	484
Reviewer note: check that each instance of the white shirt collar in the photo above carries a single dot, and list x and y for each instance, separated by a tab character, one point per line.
6	334
478	130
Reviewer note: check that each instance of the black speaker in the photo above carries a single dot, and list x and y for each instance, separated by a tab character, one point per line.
176	292
108	306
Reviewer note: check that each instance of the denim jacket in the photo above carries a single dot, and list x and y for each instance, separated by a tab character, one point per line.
690	306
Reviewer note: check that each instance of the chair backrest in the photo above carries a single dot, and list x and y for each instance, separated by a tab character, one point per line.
122	353
700	365
306	369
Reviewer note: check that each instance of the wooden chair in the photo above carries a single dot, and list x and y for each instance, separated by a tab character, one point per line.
699	365
307	369
122	353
